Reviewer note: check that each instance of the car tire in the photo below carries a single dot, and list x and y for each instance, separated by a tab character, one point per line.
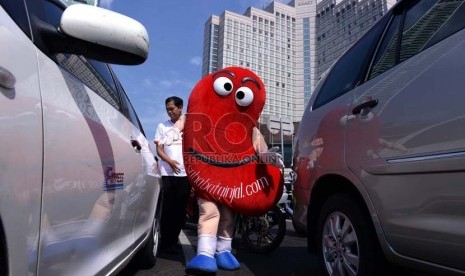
345	239
147	255
3	253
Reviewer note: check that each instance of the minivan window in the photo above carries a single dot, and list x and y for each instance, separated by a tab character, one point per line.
454	24
53	12
350	68
128	109
106	86
40	12
17	11
422	19
386	56
94	74
426	23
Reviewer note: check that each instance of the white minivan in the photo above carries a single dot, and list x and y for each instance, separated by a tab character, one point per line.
78	193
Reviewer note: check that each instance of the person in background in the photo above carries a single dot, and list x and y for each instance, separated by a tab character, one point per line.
175	185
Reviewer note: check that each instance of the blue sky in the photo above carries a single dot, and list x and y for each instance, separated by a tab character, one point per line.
174	66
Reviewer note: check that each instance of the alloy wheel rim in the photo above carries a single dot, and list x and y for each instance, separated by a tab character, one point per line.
340	245
155	238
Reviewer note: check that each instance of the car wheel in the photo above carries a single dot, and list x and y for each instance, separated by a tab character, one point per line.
147	256
3	253
346	242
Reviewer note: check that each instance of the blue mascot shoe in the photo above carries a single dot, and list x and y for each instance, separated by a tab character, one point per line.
226	261
201	264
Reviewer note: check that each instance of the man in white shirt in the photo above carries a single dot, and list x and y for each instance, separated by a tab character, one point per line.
175	185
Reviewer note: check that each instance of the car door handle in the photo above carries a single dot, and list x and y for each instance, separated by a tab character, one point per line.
366	105
7	79
136	145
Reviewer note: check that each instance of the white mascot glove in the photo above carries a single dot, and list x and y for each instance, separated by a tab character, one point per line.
272	157
170	136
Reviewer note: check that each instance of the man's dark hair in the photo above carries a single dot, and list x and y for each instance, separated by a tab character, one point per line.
176	100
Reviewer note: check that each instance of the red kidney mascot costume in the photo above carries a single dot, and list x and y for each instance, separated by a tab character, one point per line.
227	162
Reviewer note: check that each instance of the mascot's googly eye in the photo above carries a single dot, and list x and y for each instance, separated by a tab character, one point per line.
223	86
244	96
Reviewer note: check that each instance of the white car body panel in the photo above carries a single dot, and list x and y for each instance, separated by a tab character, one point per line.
76	196
21	144
85	137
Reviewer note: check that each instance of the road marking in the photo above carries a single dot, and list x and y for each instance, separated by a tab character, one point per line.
187	249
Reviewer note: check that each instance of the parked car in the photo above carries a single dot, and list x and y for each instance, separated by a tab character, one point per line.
78	195
380	150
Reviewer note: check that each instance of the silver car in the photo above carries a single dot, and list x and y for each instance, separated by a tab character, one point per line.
78	192
380	151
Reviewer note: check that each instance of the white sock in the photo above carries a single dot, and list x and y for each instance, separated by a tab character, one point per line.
223	244
206	245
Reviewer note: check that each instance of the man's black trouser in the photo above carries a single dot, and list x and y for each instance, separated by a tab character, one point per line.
175	191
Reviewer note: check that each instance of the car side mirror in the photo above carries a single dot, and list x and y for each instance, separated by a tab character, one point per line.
97	33
106	28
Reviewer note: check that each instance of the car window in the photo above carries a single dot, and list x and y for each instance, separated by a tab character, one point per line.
422	19
386	56
17	11
454	24
41	14
425	23
70	2
96	75
128	109
131	113
52	12
350	68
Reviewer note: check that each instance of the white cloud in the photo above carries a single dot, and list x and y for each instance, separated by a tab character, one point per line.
177	83
196	60
166	83
148	82
106	3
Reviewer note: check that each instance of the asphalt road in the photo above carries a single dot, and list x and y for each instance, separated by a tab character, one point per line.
290	258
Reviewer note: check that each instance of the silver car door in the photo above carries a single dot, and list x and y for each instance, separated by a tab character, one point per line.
410	147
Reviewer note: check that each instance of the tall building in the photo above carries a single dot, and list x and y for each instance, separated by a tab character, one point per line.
264	41
288	45
305	49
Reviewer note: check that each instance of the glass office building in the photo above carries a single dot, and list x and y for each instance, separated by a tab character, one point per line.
288	45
